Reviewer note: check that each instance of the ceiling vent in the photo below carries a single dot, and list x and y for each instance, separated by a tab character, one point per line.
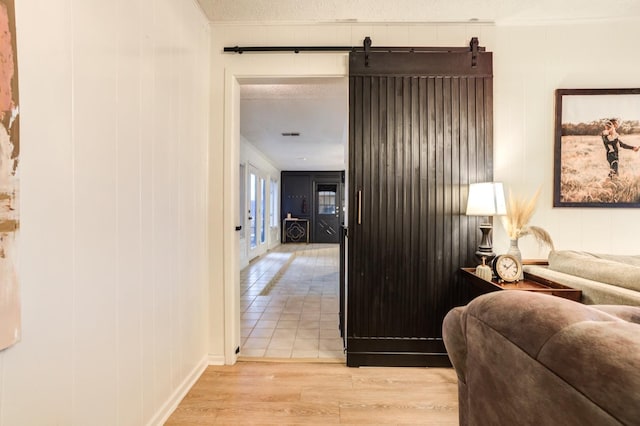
291	134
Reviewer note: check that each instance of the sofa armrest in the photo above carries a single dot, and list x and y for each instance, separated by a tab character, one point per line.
547	360
593	292
454	333
542	316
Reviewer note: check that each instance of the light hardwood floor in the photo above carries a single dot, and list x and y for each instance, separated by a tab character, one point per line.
286	393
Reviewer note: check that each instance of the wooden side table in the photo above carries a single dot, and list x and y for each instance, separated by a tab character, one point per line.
530	283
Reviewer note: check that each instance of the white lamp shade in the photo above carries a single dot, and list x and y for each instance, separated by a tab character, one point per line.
486	199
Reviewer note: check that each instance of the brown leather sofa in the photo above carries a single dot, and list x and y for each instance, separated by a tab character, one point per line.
530	359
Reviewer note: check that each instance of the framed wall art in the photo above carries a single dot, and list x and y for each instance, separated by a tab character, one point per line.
597	148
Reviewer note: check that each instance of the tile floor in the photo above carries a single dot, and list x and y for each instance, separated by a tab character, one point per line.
290	304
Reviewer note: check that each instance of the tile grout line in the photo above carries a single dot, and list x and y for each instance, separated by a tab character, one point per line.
313	262
276	278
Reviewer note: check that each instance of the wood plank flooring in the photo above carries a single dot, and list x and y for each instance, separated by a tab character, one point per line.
287	393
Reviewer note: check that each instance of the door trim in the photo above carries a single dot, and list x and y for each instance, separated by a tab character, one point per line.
334	65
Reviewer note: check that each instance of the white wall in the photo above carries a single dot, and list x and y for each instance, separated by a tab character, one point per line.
252	155
529	64
113	251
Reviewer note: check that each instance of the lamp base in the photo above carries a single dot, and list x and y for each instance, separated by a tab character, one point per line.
485	249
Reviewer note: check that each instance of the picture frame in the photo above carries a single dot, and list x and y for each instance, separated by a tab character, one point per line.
597	148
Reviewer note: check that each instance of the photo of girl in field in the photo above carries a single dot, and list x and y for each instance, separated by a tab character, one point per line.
612	145
586	174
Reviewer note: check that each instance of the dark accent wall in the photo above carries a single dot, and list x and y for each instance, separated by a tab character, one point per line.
297	193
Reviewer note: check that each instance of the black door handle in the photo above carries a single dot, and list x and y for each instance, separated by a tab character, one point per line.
238	228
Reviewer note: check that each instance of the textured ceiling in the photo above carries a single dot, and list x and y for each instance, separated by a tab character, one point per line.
314	108
497	11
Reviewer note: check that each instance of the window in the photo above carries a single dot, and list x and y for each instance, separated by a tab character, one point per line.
274	211
253	205
243	197
327	199
263	209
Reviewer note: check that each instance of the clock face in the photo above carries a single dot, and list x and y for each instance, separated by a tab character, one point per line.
507	268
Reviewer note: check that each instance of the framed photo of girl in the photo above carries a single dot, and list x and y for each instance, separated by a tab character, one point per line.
597	148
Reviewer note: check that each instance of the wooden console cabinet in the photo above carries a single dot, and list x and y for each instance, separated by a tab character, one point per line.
530	283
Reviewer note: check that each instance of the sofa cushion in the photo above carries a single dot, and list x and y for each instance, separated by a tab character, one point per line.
601	360
627	313
628	259
621	271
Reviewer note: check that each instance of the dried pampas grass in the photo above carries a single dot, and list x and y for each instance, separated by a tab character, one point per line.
542	237
516	221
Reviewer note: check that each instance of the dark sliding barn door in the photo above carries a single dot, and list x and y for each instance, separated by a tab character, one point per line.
420	132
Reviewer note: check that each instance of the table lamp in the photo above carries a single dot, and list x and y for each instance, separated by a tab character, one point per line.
486	199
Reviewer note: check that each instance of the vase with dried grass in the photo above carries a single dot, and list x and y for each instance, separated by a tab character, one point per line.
516	223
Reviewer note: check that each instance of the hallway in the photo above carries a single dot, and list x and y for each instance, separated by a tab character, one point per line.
289	304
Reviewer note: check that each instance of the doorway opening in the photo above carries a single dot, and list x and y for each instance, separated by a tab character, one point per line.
289	293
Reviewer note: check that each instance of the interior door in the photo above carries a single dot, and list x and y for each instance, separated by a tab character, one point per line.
420	130
256	213
327	214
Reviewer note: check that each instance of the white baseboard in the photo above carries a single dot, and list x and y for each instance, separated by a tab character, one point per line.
162	415
216	360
